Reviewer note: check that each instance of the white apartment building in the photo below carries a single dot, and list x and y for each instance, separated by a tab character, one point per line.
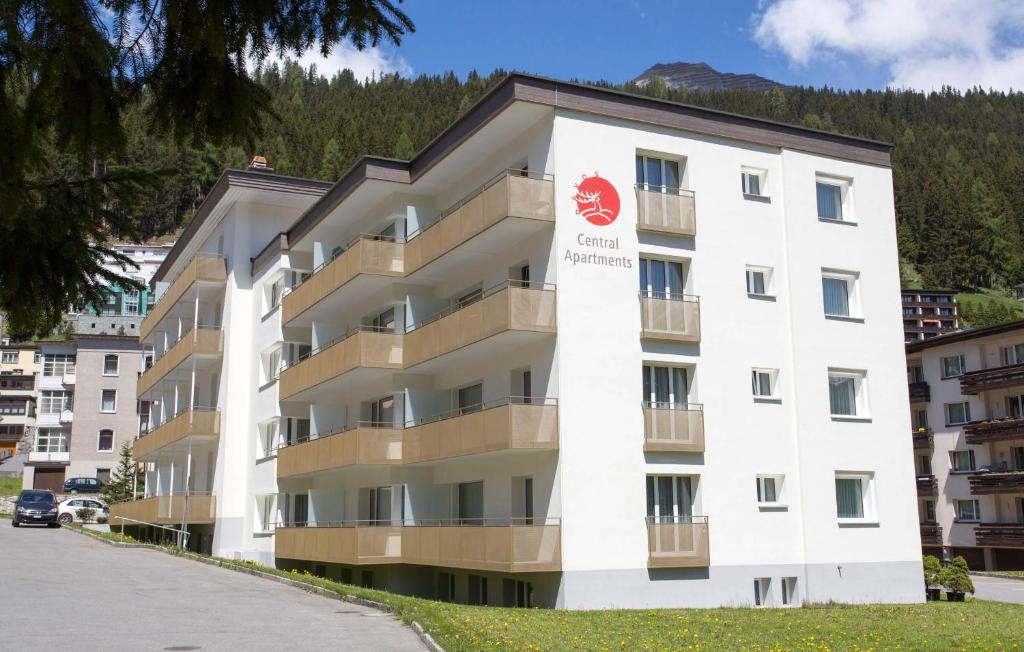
967	406
584	350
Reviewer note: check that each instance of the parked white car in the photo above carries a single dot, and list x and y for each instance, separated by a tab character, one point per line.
67	510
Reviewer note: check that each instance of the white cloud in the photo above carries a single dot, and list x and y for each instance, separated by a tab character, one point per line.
363	63
924	43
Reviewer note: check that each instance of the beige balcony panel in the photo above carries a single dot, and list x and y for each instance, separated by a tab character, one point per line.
194	423
677	545
340	545
367	256
166	510
510	196
671	430
362	349
204	268
367	446
504	427
666	212
509	549
200	341
666	319
512	308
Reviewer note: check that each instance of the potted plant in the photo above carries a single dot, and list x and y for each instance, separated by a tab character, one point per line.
956	581
932	574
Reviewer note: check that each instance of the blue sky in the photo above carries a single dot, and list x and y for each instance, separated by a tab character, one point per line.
841	43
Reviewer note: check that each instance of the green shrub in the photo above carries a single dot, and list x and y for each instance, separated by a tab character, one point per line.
932	571
954	578
86	514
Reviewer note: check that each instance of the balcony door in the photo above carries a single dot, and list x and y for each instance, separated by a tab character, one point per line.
657	175
378	505
665	387
669	499
469	503
661	279
382	412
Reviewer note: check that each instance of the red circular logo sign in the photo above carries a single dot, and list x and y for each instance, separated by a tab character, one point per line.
596	200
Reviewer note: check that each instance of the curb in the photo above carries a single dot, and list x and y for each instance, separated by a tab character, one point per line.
1018	578
424	637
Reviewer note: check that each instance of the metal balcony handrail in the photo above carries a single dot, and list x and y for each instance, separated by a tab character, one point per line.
377	237
676	519
189	328
669	405
494	289
444	521
668	296
362	328
665	190
473	194
449	414
171	284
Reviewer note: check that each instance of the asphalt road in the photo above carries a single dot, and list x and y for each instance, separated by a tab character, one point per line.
63	590
998	588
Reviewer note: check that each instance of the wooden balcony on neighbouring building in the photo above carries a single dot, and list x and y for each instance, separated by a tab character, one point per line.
920	392
974	382
1000	535
931	534
924	438
1009	482
982	432
927	485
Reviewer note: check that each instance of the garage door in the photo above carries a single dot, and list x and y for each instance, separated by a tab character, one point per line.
1008	559
52	479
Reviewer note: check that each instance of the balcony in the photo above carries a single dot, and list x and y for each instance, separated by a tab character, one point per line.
497	545
670	429
367	264
924	438
678	542
1000	482
514	205
203	268
1000	535
982	432
975	382
166	510
201	342
927	485
511	424
931	534
672	211
359	350
40	457
198	423
514	307
68	378
920	392
52	382
665	316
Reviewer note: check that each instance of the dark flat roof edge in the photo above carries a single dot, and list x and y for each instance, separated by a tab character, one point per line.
928	291
960	336
241	179
24	346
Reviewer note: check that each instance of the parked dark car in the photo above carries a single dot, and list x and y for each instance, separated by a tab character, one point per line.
82	486
35	506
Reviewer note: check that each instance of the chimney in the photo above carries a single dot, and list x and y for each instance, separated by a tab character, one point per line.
259	164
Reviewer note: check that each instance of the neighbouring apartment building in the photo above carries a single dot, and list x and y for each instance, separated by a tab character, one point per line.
584	350
19	365
927	313
967	406
147	258
86	406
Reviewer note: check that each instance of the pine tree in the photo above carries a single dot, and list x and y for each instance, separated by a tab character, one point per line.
122	481
332	164
403	148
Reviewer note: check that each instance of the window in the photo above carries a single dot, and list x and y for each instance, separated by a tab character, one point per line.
665	387
110	364
759	280
477	590
51	440
953	366
839	294
1018	458
847	396
1007	354
669	499
273	292
762	382
661	279
266	512
385	321
968	511
131	298
920	419
58	364
769	489
789	594
830	195
294	430
54	401
10	357
962	461
657	174
470	399
958	413
382	412
377	505
105	441
762	591
1015	406
470	502
928	511
271	364
469	298
924	464
517	593
268	433
108	400
915	374
854	501
752	182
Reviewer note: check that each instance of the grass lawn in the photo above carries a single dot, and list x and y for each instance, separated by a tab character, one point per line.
10	486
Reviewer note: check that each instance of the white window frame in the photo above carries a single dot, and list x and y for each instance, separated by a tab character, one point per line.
860	391
853	304
929	515
103	393
762	178
779	483
649	290
662	159
59	364
762	592
269	437
756	375
273	292
790	592
99	434
117	364
51	440
676	396
845	186
961	363
956	454
967	413
767	277
266	513
270	363
10	357
867	496
975	504
54	398
1011	354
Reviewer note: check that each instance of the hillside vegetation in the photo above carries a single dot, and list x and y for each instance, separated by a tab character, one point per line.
958	162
